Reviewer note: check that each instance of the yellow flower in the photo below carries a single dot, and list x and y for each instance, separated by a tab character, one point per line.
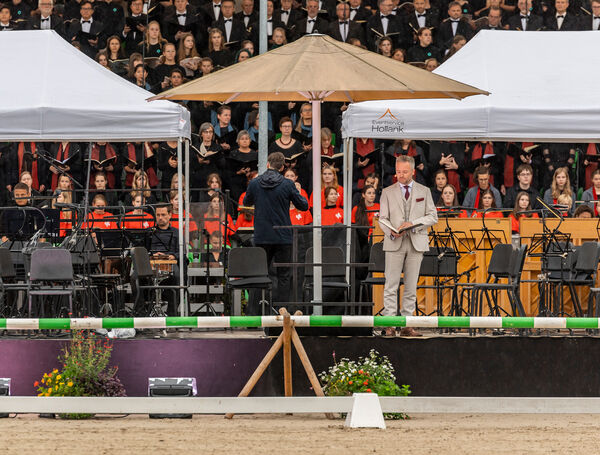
50	390
70	384
40	394
58	377
48	394
43	380
55	371
62	384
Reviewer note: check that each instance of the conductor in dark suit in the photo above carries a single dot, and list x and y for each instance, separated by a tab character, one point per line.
562	20
89	32
312	23
525	20
46	19
233	28
385	24
343	28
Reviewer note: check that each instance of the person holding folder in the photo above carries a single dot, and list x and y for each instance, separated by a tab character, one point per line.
406	211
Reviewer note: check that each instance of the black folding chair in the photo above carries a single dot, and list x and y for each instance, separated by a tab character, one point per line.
9	287
334	277
51	275
248	269
440	263
376	265
500	270
584	274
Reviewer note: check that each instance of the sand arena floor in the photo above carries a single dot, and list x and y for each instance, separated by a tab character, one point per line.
302	434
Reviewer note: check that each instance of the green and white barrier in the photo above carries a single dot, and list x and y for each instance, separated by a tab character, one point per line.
435	322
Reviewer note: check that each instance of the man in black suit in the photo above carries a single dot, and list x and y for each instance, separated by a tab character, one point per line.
591	22
525	19
254	28
211	11
248	13
312	23
420	18
494	19
233	28
343	28
111	14
133	36
562	20
454	25
20	12
288	16
6	22
179	19
46	19
358	13
87	31
326	9
385	24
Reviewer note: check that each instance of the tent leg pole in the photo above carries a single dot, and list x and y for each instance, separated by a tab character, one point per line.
187	212
182	256
348	163
317	234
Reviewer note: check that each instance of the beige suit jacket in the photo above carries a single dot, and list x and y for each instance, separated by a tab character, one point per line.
421	210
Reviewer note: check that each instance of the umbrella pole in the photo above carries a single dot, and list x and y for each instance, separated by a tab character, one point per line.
348	165
263	112
182	255
317	252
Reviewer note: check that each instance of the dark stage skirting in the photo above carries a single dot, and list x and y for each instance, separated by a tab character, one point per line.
441	366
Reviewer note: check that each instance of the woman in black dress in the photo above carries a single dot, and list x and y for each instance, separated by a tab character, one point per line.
217	52
242	165
295	155
206	158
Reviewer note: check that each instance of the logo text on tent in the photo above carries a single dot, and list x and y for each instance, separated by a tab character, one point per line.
387	123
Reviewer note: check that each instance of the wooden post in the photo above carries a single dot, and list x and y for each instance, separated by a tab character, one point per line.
266	361
287	354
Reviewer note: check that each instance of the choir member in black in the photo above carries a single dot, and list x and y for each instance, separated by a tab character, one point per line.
292	150
454	25
449	156
524	184
214	183
27	179
67	158
330	154
167	164
278	39
440	180
165	246
384	23
312	23
271	26
207	158
225	132
253	121
141	187
366	161
485	154
134	27
215	257
140	78
114	50
139	155
89	33
288	16
100	186
556	156
404	147
152	45
248	14
186	51
45	19
6	22
562	20
494	20
343	28
111	14
591	22
420	18
24	156
242	164
424	49
217	52
19	224
233	28
181	18
210	11
525	19
106	160
162	73
20	12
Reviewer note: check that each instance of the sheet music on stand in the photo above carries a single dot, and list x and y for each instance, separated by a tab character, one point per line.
488	235
450	238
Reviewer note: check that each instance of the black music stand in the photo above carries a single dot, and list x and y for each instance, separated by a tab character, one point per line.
488	234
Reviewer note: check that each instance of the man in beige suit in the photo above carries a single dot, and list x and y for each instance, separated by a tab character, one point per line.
404	204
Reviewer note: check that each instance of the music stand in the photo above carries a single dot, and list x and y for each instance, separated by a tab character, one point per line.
488	234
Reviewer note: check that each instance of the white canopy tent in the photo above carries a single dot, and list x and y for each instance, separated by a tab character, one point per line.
543	88
50	91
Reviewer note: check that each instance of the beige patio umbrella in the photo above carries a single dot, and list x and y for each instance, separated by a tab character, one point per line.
318	68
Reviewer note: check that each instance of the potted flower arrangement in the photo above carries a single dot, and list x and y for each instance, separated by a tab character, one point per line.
370	374
85	372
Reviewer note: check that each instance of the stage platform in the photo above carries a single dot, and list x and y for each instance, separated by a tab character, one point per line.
552	363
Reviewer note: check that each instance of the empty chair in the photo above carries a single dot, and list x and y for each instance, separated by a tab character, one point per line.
248	269
51	275
8	285
376	265
334	276
584	274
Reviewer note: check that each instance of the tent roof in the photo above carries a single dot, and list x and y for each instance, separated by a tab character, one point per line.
543	87
51	91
